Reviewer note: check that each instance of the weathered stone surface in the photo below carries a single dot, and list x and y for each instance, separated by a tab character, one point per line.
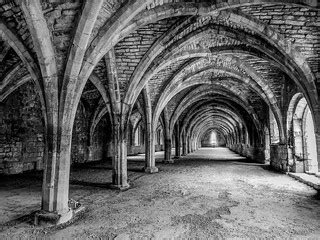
21	132
279	157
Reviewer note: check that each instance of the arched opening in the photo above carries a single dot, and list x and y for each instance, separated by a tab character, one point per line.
159	146
210	139
267	146
302	148
310	143
274	129
138	136
22	130
213	139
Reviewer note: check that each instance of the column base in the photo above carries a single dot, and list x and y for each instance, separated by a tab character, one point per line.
151	169
120	187
44	218
168	161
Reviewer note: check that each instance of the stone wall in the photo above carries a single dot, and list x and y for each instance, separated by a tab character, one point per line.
102	146
80	137
21	132
82	149
159	148
255	154
278	157
134	150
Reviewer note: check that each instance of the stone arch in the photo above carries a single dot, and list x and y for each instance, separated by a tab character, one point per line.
267	33
80	42
300	124
137	134
195	128
101	110
108	37
290	112
39	30
8	78
24	54
101	88
98	115
310	143
207	109
207	129
150	134
201	117
263	90
226	122
173	55
8	91
184	105
267	144
228	105
190	82
235	129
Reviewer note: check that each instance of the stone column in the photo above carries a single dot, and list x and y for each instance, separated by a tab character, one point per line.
178	144
318	150
90	154
55	188
258	154
184	146
167	151
298	165
150	162
279	157
119	159
192	145
188	145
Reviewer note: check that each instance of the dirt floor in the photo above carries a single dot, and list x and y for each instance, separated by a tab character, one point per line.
210	194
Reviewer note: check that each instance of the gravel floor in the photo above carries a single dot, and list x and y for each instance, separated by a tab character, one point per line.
210	194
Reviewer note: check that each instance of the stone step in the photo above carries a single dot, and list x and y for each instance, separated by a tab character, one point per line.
308	179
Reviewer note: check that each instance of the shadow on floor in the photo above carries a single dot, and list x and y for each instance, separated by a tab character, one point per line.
21	180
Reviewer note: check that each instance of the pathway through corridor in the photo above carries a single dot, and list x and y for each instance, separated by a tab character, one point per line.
199	196
218	153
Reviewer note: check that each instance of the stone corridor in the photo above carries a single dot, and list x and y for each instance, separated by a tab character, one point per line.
109	109
213	193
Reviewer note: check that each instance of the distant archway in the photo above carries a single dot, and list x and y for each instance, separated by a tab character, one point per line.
267	146
209	139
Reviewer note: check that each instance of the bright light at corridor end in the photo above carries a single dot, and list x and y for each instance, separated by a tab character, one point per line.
210	139
213	138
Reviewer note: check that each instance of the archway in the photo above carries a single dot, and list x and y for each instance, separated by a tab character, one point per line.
210	139
302	147
267	145
310	150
